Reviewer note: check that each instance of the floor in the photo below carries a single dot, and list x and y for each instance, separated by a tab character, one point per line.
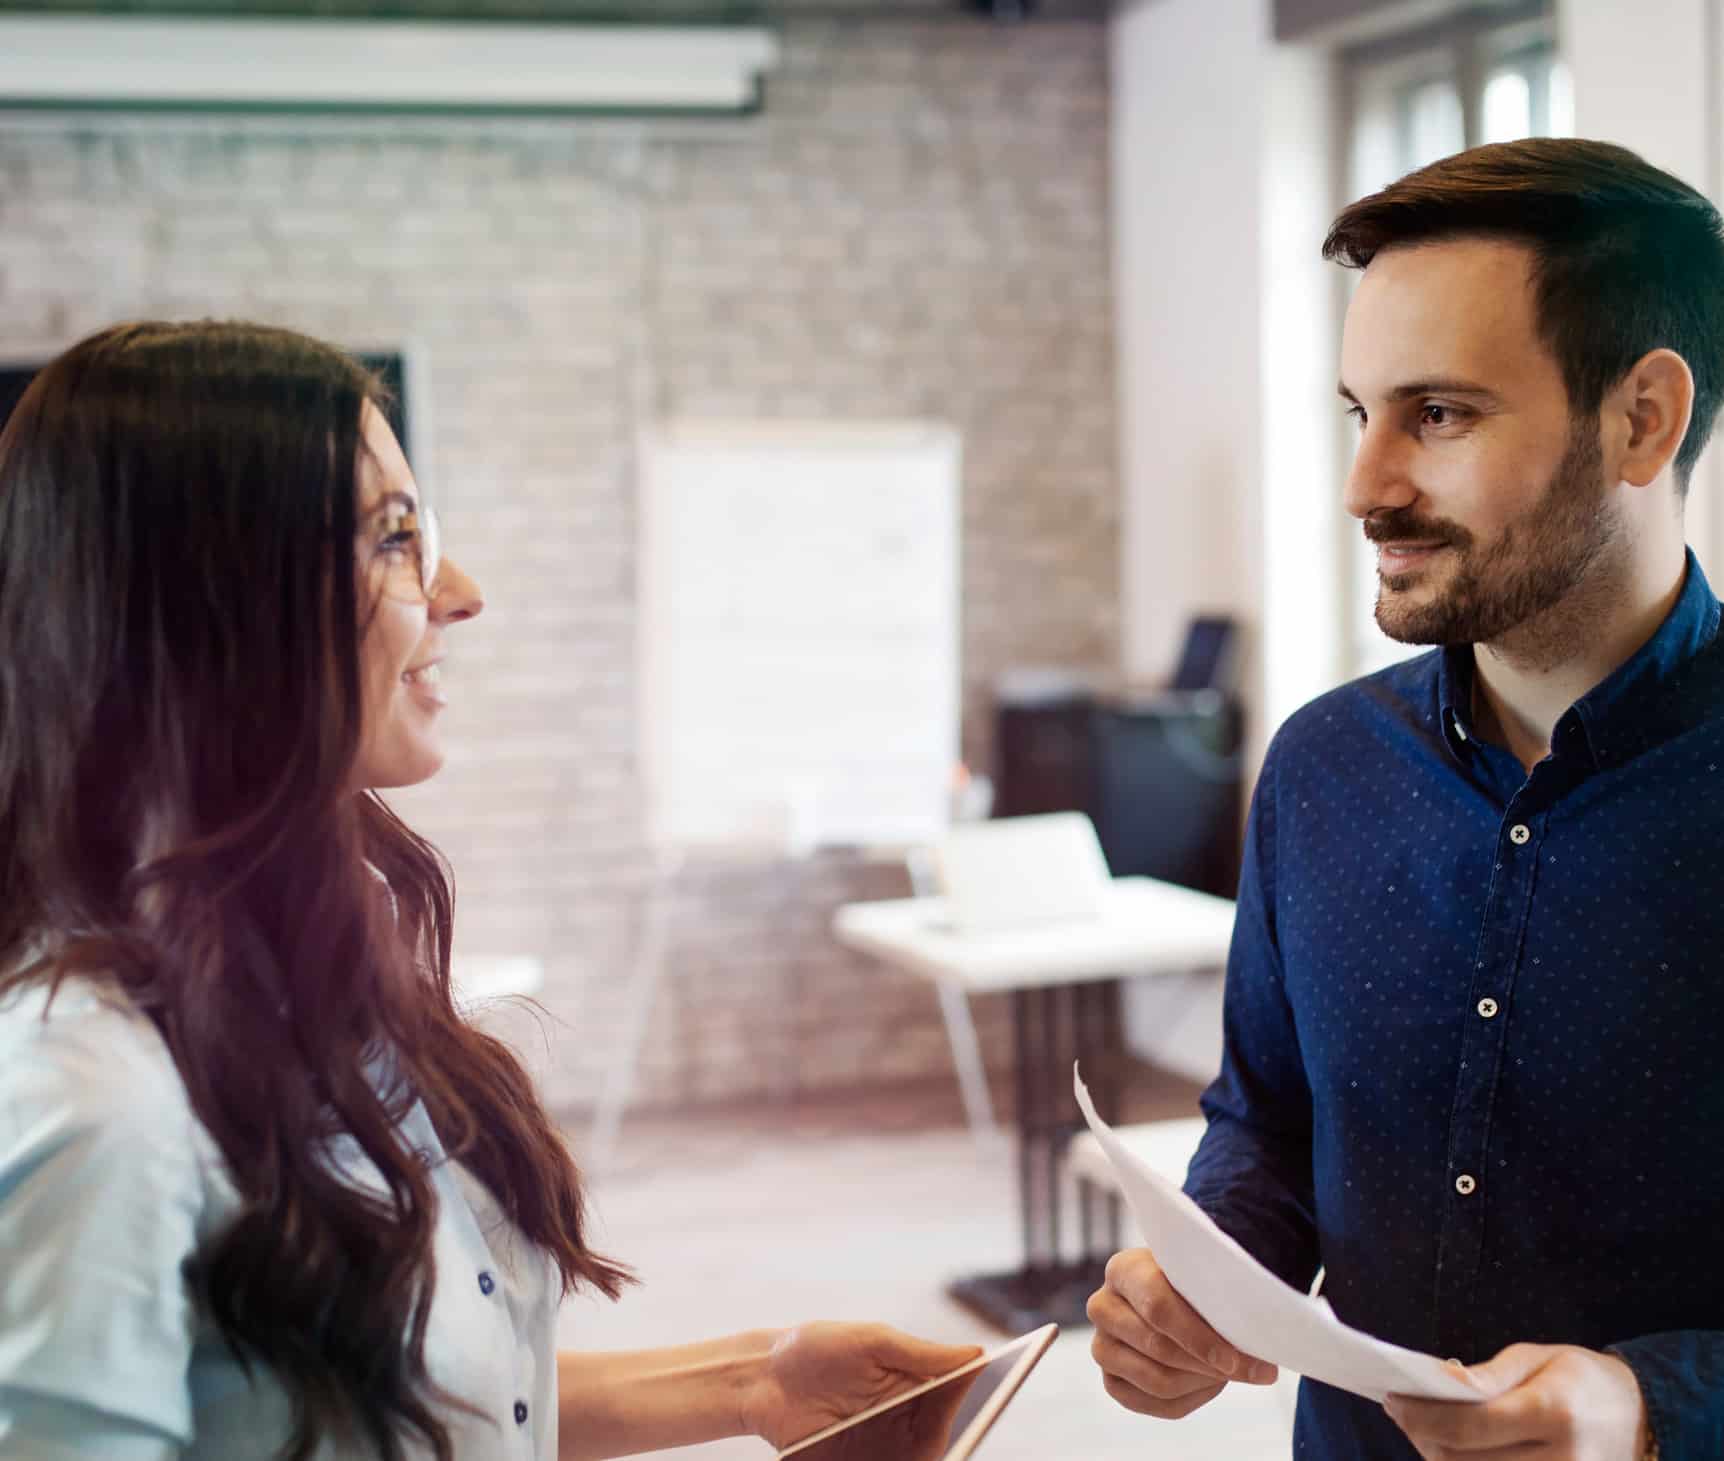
862	1210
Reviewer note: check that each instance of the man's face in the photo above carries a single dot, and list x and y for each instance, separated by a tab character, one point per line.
1488	506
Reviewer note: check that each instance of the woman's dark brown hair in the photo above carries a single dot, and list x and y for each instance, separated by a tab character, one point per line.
1626	258
180	621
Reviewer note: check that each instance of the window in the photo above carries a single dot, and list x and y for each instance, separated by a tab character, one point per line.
1411	100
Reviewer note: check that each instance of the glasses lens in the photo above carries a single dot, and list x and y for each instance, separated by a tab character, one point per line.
430	549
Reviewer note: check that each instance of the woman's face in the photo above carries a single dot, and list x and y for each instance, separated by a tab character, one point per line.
403	642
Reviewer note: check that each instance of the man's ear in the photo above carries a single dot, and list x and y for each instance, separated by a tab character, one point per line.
1646	416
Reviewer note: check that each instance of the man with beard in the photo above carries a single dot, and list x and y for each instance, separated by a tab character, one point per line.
1478	967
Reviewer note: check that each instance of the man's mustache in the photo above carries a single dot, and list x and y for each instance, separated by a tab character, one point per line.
1398	525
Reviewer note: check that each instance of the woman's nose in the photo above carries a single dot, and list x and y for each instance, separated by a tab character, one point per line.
457	595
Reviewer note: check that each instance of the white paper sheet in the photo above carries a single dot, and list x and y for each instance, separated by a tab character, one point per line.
1249	1306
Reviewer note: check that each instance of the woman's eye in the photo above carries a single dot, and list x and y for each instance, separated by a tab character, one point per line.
400	531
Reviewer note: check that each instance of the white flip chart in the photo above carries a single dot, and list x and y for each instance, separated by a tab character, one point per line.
798	630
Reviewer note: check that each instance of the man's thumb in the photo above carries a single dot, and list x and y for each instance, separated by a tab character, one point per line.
1503	1371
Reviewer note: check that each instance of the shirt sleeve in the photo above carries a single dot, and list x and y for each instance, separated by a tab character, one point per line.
100	1194
1681	1377
1252	1171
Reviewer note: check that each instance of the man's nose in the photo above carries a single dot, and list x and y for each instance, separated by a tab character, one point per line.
1379	478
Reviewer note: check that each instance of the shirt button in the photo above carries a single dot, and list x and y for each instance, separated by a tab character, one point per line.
1487	1008
1465	1185
520	1412
1519	835
486	1284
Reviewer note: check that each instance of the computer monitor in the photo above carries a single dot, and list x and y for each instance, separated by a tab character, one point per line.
1207	660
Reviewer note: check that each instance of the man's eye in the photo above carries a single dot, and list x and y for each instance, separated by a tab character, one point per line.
1432	414
1357	415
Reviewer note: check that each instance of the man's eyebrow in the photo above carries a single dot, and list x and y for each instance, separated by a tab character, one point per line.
1436	386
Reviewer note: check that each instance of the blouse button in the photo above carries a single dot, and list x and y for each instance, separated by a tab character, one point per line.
1465	1185
486	1284
1487	1009
1519	834
520	1412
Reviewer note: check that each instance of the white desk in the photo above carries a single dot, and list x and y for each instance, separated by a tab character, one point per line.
1060	976
1146	927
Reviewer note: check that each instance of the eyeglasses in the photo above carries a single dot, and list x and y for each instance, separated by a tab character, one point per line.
430	546
406	530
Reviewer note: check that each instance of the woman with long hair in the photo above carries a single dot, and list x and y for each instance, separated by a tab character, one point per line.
263	1192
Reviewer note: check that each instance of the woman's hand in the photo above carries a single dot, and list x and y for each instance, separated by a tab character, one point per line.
817	1374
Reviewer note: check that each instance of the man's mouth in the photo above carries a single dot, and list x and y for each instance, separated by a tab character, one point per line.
1395	556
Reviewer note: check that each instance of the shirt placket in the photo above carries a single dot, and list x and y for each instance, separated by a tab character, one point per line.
1467	1179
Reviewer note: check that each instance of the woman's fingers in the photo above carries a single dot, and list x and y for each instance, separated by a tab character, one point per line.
917	1356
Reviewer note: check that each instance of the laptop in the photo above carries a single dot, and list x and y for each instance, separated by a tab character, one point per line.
1021	870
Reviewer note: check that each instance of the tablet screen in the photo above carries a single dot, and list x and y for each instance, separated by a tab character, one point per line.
922	1427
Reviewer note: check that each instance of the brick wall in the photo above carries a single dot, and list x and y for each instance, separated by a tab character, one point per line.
916	225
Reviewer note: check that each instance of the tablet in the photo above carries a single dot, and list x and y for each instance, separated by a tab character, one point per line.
941	1420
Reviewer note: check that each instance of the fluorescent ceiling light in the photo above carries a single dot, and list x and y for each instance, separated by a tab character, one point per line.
379	65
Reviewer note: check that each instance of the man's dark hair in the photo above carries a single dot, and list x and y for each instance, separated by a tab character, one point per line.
1626	258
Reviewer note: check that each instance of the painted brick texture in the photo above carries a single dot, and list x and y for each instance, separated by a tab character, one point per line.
916	225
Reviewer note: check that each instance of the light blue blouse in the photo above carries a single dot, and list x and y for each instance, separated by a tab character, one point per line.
108	1182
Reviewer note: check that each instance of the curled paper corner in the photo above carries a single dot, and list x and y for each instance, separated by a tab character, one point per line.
1085	1105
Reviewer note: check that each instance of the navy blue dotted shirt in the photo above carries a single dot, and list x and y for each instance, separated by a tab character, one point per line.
1473	1023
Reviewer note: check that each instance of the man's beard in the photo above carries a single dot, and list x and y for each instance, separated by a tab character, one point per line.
1535	563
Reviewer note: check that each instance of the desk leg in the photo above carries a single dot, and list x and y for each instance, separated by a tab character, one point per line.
1023	1082
1051	1028
1107	1052
1090	1014
1055	1003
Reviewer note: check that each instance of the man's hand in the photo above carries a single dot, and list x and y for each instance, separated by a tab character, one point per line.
820	1373
1157	1356
1552	1402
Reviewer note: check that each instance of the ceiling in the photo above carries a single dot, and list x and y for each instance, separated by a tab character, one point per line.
635	12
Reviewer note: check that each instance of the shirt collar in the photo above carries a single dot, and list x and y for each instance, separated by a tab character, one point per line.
1455	698
1613	720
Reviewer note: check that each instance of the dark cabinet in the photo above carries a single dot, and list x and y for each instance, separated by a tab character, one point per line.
1158	774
